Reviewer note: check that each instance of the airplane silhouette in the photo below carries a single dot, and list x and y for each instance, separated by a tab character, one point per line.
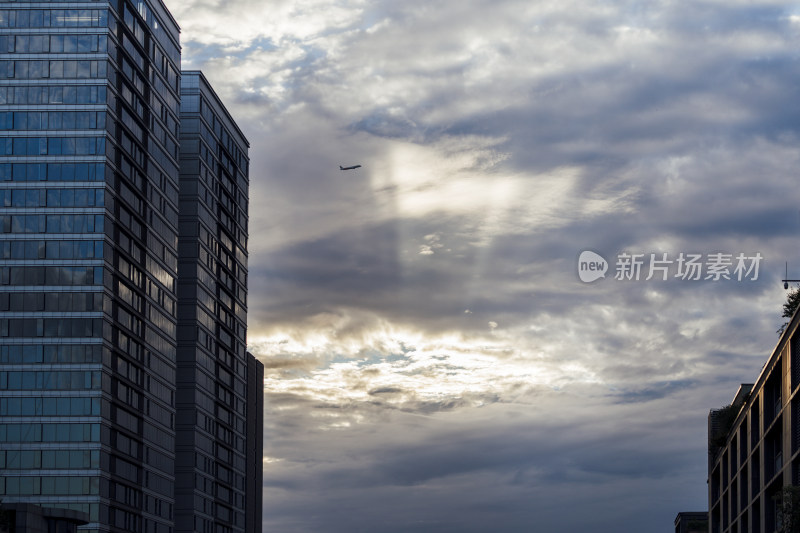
349	168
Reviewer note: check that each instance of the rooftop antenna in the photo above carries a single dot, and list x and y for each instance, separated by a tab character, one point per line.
786	280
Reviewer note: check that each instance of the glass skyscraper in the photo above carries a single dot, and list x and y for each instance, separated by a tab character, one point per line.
212	402
124	377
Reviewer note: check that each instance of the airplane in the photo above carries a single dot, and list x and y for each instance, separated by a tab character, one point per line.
349	168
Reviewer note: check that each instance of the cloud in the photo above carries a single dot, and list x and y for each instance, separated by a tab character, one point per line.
433	361
471	468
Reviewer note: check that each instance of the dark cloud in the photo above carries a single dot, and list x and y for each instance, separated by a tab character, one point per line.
386	390
468	473
655	391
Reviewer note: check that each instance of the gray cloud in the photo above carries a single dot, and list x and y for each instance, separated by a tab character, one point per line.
489	465
433	361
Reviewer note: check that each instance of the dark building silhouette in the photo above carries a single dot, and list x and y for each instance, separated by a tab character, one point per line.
126	394
255	442
754	447
691	522
217	378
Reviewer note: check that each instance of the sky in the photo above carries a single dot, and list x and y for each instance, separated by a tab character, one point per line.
435	359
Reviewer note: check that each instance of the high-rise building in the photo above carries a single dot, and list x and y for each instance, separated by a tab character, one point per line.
111	338
754	448
255	443
213	366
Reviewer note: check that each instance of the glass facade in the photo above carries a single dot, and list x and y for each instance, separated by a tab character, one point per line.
54	385
126	393
212	404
